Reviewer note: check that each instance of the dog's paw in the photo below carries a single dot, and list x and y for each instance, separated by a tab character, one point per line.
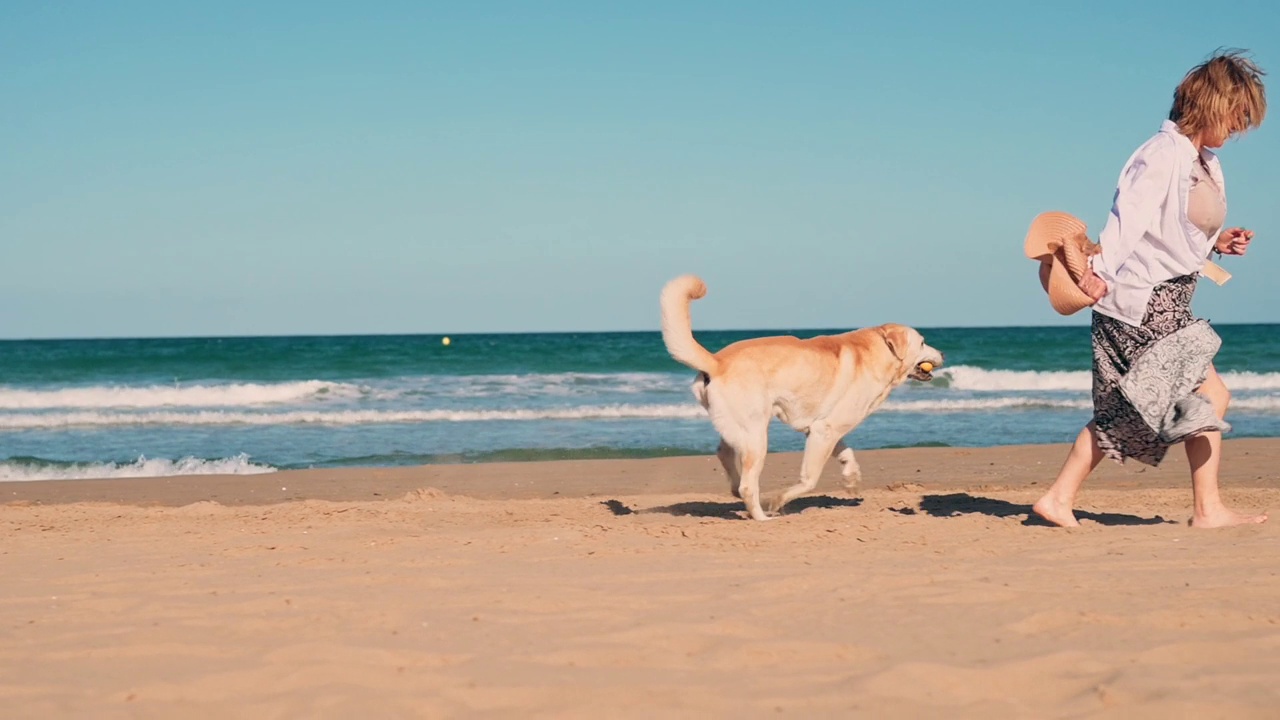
773	507
851	483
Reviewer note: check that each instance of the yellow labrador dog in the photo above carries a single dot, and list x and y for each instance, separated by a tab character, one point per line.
823	387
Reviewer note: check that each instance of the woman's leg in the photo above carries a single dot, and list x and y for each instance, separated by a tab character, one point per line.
1055	506
1204	454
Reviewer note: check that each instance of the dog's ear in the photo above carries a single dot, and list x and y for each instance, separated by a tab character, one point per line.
895	336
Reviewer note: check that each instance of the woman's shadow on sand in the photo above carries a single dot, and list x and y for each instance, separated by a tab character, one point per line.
956	504
731	510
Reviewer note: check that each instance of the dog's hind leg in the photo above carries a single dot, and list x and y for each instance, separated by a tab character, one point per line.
733	471
743	423
849	469
817	449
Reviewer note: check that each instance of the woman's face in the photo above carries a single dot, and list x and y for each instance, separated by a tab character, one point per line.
1215	137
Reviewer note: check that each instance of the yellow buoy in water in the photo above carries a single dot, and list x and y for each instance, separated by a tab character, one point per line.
445	340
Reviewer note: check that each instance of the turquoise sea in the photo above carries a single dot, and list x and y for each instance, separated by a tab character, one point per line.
100	408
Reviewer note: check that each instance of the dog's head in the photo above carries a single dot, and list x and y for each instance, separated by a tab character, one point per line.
916	360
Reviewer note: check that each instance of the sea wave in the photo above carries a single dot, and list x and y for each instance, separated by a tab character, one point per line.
564	384
965	377
985	404
22	469
150	396
905	403
23	421
310	397
30	421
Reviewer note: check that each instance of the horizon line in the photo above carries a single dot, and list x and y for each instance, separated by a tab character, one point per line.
921	328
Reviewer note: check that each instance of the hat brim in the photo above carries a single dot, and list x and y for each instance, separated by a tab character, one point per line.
1060	242
1065	296
1047	232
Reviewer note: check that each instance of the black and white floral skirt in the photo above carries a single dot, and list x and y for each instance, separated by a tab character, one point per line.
1122	432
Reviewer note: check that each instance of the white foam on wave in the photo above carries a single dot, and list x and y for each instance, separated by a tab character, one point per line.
30	421
1259	403
587	386
26	421
142	467
965	377
1266	403
149	396
1238	381
538	385
206	417
985	404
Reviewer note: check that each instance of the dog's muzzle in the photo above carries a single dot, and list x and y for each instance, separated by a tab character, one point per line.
923	371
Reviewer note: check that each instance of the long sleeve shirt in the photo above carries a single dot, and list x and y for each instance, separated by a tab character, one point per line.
1147	238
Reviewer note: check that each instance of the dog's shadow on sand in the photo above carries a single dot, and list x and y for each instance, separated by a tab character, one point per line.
941	506
732	510
956	504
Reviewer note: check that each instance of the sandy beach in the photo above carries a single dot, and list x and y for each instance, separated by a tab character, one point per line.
636	589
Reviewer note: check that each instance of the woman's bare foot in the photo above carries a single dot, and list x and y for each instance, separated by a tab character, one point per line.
1054	510
1222	516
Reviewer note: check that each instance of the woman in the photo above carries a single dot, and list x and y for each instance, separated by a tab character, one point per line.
1166	218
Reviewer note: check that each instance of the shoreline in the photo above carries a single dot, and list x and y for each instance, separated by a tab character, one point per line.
1247	463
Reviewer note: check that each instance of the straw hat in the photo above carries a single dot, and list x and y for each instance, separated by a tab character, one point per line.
1059	241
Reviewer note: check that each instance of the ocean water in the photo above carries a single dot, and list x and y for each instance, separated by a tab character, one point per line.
102	408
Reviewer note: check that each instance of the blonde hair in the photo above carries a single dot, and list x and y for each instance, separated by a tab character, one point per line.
1223	93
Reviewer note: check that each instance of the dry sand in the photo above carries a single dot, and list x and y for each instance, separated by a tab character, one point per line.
636	589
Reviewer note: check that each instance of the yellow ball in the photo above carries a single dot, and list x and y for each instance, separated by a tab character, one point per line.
445	340
926	366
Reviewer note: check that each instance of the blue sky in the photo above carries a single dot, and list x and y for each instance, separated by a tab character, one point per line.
296	168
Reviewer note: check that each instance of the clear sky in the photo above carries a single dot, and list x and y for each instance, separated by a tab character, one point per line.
230	168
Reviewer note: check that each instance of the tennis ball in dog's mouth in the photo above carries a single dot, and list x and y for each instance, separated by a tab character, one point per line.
926	366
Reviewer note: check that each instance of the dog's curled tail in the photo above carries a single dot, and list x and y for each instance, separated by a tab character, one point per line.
677	330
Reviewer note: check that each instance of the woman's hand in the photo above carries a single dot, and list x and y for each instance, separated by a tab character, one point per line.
1233	241
1092	285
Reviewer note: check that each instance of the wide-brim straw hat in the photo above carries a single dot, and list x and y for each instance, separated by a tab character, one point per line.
1060	242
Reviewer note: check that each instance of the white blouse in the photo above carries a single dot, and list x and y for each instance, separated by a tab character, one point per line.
1148	237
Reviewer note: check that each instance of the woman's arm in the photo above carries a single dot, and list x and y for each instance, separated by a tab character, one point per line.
1141	191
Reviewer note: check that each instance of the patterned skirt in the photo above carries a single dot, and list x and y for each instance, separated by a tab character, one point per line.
1121	431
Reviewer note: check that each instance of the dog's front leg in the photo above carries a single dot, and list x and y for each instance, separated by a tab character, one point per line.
817	449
